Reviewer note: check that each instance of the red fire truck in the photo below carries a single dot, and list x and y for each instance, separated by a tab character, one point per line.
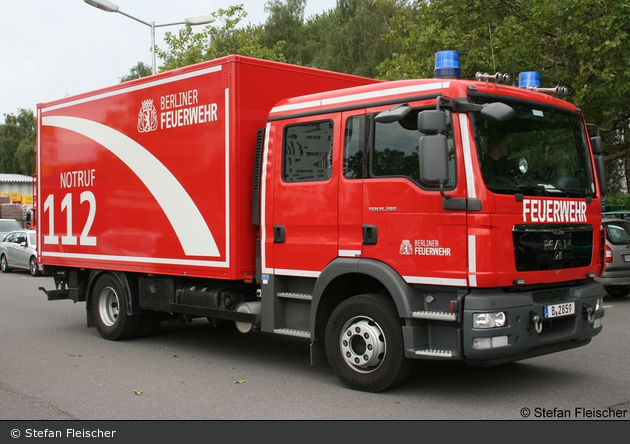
371	218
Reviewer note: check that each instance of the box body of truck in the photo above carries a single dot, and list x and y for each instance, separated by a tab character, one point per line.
156	176
355	213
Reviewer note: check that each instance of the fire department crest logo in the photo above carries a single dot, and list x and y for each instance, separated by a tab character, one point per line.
406	248
147	117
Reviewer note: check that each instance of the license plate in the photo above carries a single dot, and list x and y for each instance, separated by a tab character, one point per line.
557	310
626	257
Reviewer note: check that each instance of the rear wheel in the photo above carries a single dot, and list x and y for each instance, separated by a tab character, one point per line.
109	306
4	264
364	343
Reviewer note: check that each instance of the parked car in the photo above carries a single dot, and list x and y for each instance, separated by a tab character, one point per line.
7	225
616	277
18	250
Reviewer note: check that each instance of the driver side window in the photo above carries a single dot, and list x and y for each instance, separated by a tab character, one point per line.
395	151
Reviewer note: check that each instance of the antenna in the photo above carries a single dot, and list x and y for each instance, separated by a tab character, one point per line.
491	47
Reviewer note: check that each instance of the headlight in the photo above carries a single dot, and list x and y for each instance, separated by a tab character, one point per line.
489	320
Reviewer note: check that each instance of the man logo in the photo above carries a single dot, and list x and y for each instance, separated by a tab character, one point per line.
147	117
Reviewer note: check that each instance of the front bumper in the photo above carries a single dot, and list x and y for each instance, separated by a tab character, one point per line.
527	333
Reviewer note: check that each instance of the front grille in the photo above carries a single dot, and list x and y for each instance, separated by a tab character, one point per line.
552	247
552	294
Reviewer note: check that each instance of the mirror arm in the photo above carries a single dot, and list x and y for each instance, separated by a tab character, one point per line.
444	195
464	106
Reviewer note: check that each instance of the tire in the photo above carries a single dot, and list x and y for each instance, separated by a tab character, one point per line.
109	307
618	292
4	265
32	266
364	343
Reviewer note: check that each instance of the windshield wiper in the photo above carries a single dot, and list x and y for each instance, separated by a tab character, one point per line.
537	190
579	192
547	189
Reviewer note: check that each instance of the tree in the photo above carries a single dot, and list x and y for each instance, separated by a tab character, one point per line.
187	47
581	45
17	142
285	24
349	38
140	70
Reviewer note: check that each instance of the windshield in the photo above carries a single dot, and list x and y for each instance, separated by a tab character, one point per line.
541	151
9	225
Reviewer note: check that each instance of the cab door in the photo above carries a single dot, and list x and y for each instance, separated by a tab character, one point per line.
305	201
404	221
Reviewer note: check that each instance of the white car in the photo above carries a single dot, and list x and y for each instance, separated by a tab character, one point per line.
7	225
18	250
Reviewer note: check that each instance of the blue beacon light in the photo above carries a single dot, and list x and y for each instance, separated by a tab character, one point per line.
529	78
447	65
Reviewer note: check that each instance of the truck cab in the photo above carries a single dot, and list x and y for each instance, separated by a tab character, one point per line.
390	189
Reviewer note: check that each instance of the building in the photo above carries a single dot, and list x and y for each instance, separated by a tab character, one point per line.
16	196
18	186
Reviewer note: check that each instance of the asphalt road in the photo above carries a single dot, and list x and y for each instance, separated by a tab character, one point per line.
52	367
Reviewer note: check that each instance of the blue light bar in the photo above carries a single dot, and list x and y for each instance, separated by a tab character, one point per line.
447	65
529	78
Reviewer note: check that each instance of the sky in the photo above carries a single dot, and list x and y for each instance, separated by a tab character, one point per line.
50	49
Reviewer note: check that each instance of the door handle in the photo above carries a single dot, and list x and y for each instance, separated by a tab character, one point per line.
370	235
279	234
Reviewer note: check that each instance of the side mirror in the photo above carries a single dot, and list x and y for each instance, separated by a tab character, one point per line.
432	122
433	150
597	145
601	175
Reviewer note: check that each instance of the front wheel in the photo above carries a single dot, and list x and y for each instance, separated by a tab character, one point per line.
33	267
109	306
4	264
364	343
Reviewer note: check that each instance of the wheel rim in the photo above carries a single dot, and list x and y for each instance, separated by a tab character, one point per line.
108	306
362	344
3	262
33	266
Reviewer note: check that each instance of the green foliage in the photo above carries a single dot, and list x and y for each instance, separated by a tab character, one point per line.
187	47
17	140
346	39
349	39
285	24
619	199
140	70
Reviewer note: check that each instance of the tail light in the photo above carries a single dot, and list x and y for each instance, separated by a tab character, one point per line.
609	255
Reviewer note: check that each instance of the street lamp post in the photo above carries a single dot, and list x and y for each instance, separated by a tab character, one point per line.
108	6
